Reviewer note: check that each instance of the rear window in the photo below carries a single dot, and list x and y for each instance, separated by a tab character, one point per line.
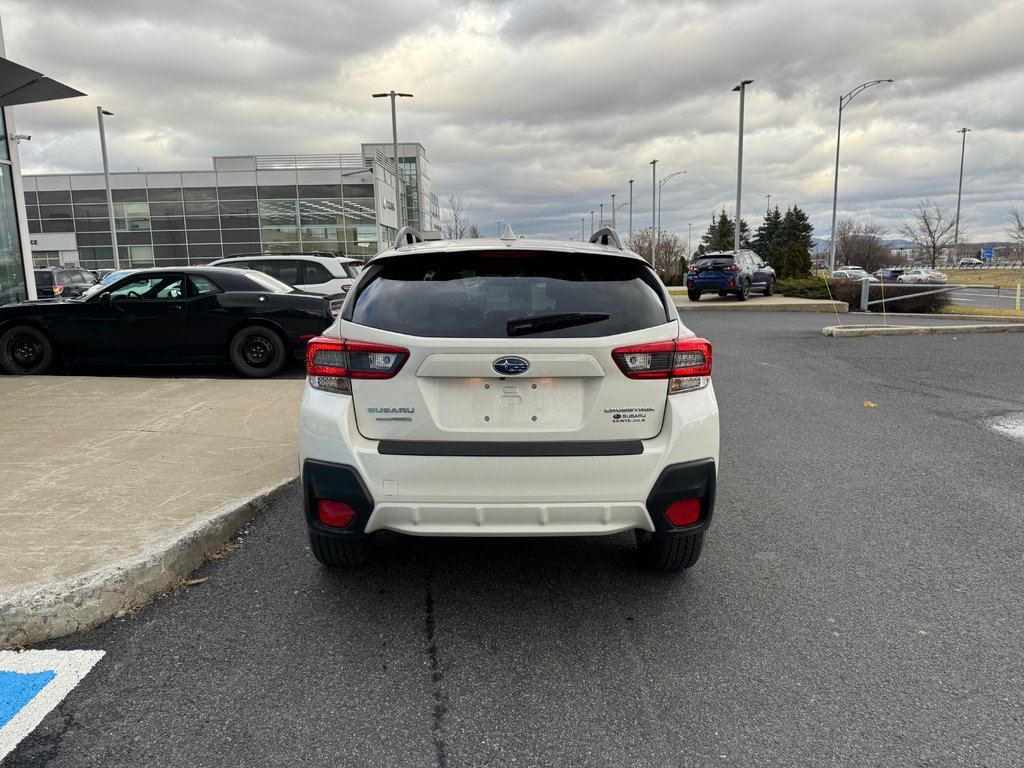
44	279
477	294
714	261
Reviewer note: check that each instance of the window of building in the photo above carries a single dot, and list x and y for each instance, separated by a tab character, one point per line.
200	193
131	217
274	213
129	195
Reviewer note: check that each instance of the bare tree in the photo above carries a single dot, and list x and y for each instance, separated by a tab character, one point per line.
474	231
670	259
861	244
932	227
1015	229
454	222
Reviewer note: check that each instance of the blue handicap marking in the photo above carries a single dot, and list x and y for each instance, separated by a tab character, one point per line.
32	683
19	688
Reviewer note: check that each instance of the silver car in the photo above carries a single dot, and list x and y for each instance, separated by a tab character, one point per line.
922	275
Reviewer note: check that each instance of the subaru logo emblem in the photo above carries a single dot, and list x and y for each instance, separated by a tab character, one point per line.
510	366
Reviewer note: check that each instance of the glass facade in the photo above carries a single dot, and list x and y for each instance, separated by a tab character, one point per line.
166	224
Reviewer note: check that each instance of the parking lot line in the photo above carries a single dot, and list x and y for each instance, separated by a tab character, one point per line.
34	682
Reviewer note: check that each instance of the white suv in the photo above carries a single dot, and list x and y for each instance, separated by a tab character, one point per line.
322	273
508	387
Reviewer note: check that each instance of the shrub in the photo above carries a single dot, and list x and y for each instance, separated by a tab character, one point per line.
804	288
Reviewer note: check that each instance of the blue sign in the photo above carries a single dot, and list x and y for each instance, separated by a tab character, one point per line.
987	253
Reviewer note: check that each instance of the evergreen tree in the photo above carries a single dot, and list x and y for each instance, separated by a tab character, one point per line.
795	228
721	233
764	238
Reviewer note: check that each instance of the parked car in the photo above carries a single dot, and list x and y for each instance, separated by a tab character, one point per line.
725	272
889	274
923	275
509	387
167	315
322	273
853	273
971	263
63	282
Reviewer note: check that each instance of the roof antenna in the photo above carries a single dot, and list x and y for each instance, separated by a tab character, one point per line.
508	235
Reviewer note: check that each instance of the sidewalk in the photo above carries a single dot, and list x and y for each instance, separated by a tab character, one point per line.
114	488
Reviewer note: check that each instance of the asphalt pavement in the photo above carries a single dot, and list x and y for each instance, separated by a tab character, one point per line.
117	487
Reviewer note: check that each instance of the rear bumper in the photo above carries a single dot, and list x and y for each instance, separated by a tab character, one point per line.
337	482
717	283
507	495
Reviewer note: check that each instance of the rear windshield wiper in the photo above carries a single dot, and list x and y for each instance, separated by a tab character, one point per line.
522	326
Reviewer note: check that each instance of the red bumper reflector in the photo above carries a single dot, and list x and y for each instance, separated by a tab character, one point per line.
336	514
680	513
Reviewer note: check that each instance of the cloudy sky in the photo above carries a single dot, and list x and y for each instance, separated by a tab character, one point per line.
537	111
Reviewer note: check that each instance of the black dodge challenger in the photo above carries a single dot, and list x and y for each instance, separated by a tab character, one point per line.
168	315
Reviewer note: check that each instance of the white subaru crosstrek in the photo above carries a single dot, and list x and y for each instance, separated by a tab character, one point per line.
509	387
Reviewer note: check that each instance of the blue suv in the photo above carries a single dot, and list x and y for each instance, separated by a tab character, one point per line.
725	272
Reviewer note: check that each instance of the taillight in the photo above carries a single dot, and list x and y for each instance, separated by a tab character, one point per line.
58	290
331	364
733	268
685	362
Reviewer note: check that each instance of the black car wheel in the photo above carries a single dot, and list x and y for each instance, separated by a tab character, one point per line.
693	295
744	292
342	552
25	350
668	552
771	287
258	352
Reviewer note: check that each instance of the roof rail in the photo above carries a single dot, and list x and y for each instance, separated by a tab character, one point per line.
408	236
607	236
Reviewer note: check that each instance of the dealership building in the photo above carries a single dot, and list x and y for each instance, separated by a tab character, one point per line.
346	204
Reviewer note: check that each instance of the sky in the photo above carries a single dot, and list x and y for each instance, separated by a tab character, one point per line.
536	112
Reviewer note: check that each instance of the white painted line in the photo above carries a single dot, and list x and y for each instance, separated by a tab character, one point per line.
27	669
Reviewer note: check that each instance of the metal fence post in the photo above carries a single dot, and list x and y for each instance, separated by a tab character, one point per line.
864	294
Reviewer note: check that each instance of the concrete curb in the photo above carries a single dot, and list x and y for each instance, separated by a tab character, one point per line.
917	330
775	303
55	610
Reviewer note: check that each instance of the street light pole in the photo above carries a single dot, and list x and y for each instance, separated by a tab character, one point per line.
394	139
654	207
600	218
661	184
591	222
631	209
582	232
100	112
742	88
959	189
843	101
613	210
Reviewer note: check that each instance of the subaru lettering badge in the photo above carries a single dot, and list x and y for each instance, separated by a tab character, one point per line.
510	366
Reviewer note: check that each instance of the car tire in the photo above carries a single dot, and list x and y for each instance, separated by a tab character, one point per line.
693	295
744	292
25	350
668	552
770	289
258	352
339	553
